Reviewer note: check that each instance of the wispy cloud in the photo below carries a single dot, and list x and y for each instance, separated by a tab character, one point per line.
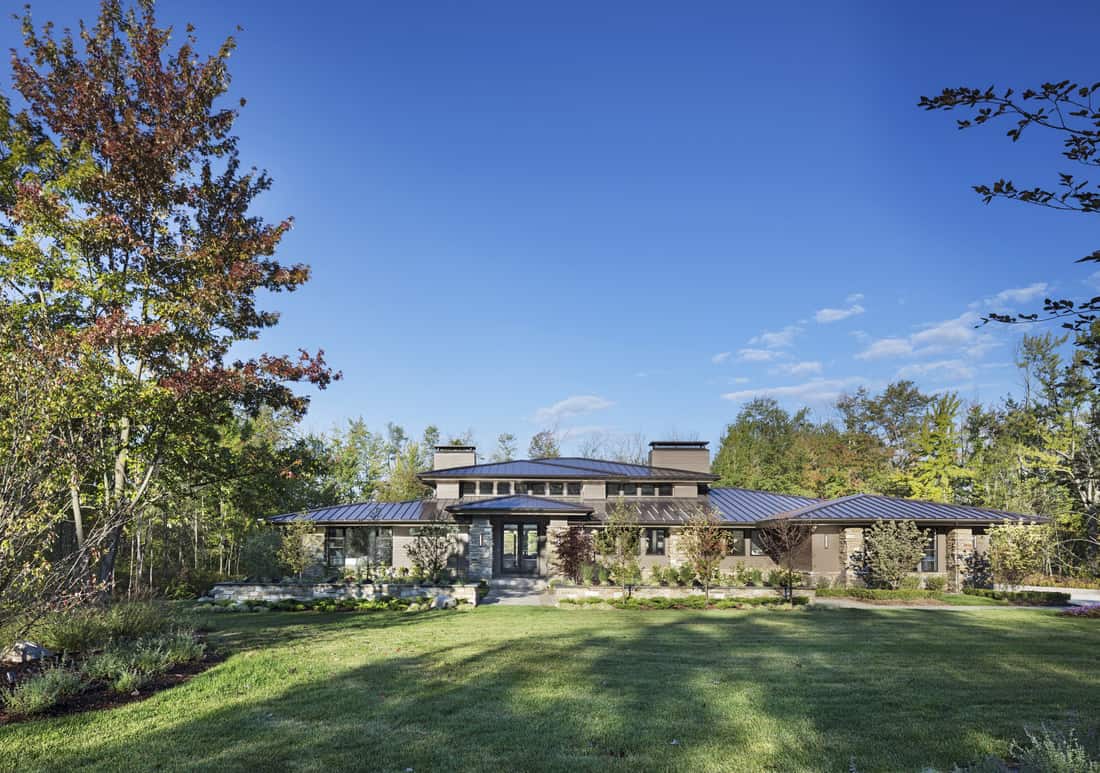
818	390
1015	295
960	334
805	368
886	347
577	405
854	308
758	355
721	357
776	339
948	369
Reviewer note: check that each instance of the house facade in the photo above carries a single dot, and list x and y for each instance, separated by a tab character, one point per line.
504	516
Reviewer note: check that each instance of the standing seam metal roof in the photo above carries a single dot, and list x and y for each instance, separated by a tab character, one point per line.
567	467
519	502
872	507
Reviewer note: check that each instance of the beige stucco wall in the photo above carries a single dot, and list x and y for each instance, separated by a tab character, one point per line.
446	489
694	459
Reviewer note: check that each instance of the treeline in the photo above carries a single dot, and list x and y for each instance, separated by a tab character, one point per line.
1036	454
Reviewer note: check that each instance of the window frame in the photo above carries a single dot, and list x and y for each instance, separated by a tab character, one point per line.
931	554
467	488
504	487
754	550
330	538
664	489
730	542
574	489
483	485
555	484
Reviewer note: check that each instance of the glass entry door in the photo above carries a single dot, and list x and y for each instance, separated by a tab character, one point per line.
520	548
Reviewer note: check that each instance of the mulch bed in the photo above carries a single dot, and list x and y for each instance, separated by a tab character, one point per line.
101	696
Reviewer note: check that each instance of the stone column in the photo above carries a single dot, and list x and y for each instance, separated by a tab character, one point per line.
960	544
553	529
850	541
481	549
315	547
674	548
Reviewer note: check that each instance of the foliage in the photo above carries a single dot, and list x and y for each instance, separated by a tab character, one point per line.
127	667
1091	612
935	583
43	691
891	550
1050	750
544	445
294	550
618	544
82	629
977	570
1023	597
936	473
574	550
431	548
685	602
506	447
260	555
1017	550
703	541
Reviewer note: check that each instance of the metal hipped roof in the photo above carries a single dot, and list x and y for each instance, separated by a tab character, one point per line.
364	512
517	503
746	506
873	507
571	467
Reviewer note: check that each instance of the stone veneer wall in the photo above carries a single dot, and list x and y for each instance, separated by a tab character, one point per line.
553	529
960	544
276	591
480	549
851	541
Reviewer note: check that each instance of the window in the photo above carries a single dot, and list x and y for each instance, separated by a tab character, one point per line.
665	490
928	563
534	487
573	489
702	489
370	543
504	488
614	489
467	489
648	489
735	542
630	489
485	487
335	541
655	542
755	548
557	489
530	541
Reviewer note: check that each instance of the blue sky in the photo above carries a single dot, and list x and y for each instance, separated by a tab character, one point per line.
632	217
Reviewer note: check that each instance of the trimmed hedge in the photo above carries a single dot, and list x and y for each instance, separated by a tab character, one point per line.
879	594
1030	598
687	602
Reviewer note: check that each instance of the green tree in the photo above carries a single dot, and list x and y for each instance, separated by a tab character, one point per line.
619	543
891	550
759	449
294	550
544	445
703	541
1017	550
936	472
431	548
506	447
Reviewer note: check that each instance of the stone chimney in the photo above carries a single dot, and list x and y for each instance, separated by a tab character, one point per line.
446	457
690	455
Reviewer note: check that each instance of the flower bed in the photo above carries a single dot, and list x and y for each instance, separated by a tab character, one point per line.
385	603
1090	612
252	592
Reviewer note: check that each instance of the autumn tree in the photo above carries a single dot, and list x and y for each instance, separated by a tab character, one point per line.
703	540
573	549
133	232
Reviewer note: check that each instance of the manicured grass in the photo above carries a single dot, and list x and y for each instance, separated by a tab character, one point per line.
538	688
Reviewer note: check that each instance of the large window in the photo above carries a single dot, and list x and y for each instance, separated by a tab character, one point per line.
928	563
335	545
633	489
648	490
485	487
614	489
573	489
755	547
655	542
349	544
665	490
557	489
504	488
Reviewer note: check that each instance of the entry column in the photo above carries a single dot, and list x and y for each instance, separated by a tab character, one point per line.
481	549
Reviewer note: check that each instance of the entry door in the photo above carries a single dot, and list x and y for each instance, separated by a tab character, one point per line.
520	548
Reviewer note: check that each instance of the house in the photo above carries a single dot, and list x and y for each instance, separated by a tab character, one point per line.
505	513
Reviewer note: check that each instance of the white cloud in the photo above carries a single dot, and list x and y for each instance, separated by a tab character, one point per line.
758	355
806	368
1018	294
776	339
953	369
854	308
721	357
577	405
739	380
818	390
1093	280
886	347
951	332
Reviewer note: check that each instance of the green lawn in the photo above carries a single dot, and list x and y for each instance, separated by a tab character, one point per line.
532	688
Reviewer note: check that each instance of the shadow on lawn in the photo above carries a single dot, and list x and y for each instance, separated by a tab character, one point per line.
626	690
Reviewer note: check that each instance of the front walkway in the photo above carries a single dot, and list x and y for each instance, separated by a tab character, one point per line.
518	591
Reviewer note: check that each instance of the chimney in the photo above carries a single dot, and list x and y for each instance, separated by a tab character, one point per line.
446	457
690	455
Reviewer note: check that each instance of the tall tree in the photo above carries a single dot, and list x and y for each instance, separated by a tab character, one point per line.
134	234
544	445
506	447
759	448
936	473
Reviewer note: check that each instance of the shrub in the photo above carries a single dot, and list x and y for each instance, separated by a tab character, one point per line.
687	602
891	550
823	582
910	582
574	550
687	575
1052	751
1034	598
878	594
657	575
1017	550
128	667
1086	612
604	576
73	630
935	583
42	692
778	578
135	619
752	577
977	571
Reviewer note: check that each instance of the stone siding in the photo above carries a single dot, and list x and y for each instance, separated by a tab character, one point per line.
275	591
480	549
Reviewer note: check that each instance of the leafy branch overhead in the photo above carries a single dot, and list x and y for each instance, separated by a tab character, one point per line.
1068	109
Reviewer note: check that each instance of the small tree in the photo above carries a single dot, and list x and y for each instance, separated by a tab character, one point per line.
260	554
574	549
703	541
432	546
891	550
294	553
618	545
780	541
1017	550
544	445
